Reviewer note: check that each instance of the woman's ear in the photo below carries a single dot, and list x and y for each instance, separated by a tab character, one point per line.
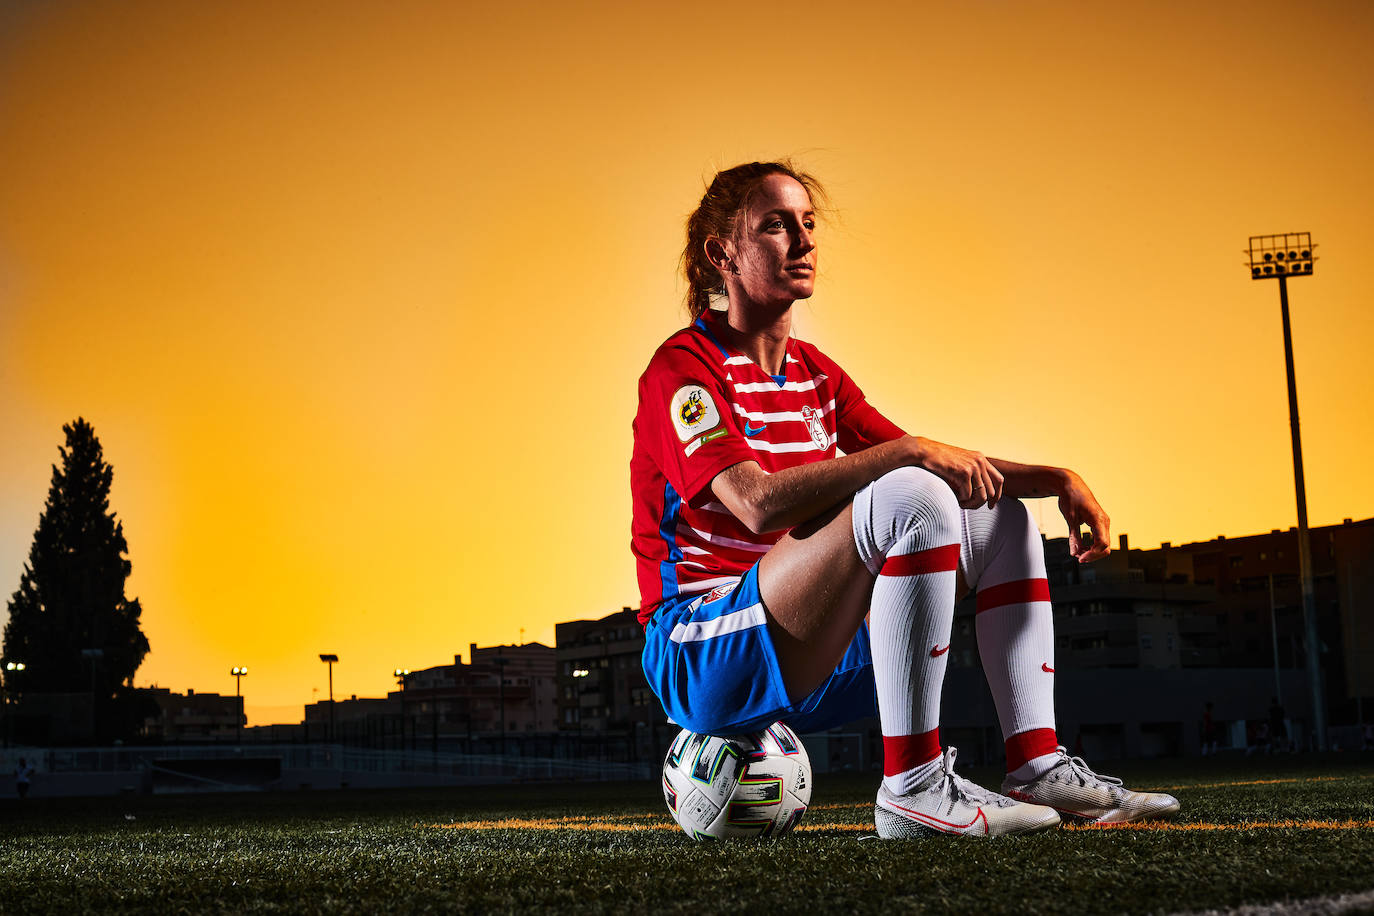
718	253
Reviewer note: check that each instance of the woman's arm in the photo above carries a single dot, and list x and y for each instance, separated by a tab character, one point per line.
770	502
1076	502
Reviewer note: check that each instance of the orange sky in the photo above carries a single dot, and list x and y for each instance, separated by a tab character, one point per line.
356	295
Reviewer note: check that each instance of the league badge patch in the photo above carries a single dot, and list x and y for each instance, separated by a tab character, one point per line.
693	412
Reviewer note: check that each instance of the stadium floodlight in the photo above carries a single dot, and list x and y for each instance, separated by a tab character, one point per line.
1280	256
1287	254
238	672
329	658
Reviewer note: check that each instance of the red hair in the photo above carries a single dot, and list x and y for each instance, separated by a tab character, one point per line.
717	216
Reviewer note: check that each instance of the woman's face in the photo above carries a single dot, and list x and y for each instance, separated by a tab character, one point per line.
773	253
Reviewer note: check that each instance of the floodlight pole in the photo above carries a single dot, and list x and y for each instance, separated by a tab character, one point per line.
1309	596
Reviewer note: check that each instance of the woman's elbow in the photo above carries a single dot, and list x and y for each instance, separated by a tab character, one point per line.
761	518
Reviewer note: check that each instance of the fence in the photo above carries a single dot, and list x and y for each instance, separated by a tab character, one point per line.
106	770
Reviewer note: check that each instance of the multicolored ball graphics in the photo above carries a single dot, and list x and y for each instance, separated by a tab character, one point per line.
754	785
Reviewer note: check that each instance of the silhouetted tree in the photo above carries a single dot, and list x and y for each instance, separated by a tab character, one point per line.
71	594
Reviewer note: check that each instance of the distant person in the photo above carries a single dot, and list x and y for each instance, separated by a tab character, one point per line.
23	777
1278	728
1209	731
783	581
1260	743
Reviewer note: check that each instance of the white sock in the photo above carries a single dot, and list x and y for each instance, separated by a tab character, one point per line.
1036	767
906	530
1003	559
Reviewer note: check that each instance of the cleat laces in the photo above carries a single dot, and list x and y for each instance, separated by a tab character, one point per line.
960	789
1079	769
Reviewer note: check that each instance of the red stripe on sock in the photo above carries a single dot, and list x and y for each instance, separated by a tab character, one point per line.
936	559
1029	745
906	752
1022	591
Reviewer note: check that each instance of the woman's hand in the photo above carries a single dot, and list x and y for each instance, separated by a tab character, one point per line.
1080	508
969	474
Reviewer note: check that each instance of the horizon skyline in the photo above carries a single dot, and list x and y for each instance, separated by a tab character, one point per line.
457	656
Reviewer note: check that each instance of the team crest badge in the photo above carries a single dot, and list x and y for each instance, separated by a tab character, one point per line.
816	428
720	591
693	412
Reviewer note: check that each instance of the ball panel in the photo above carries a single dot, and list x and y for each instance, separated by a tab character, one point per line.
754	785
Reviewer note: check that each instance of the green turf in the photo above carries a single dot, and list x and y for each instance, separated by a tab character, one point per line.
375	851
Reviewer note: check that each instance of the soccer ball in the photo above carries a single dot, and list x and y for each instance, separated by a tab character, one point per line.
753	785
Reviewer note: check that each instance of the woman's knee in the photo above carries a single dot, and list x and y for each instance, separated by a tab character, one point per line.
900	503
1003	542
916	497
1012	524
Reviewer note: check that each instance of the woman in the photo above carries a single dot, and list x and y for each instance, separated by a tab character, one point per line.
783	581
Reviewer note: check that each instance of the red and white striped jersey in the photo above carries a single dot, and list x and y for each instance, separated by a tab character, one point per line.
703	408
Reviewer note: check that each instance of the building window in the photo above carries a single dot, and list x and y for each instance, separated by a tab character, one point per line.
1235	562
1147	641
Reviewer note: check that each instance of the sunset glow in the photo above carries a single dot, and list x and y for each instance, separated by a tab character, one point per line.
356	295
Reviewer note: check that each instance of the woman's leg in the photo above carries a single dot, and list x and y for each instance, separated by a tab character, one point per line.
892	553
1004	561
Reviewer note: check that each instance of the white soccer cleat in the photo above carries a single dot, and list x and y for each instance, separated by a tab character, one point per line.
949	804
1076	792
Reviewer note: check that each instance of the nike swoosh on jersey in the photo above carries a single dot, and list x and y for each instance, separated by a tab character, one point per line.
1044	666
753	430
936	651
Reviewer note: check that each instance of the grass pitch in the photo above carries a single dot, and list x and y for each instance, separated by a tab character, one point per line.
1251	832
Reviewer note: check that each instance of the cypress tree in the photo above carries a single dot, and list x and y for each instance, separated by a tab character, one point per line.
71	593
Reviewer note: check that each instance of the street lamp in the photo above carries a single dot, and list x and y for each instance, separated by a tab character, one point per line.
1289	254
329	659
401	675
10	668
238	672
579	673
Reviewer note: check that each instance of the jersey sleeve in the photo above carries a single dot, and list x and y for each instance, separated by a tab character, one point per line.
685	422
858	424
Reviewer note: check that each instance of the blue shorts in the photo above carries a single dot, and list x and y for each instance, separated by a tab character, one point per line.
711	661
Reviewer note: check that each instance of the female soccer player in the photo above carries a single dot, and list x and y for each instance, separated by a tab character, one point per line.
782	581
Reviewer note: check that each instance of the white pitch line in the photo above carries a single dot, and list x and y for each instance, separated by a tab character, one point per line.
1313	906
